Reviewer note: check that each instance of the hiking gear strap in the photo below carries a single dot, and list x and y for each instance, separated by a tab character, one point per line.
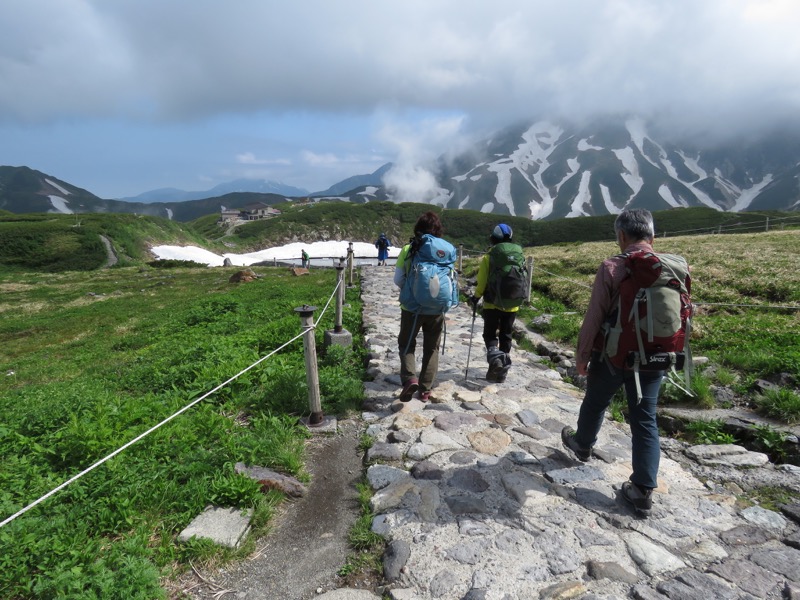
471	335
638	381
412	335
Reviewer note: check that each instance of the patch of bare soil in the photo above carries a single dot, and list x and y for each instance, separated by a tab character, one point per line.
307	545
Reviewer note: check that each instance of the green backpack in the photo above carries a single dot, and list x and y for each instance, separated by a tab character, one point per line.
507	286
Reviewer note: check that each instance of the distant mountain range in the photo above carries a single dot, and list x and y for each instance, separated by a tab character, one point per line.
541	170
25	190
257	186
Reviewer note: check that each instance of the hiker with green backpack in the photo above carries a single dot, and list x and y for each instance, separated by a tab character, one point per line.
635	330
502	283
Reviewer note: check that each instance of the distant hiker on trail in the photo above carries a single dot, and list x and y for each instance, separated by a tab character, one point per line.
612	333
382	244
428	288
502	283
305	258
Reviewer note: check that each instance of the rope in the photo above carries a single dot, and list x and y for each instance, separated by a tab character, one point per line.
165	421
776	306
562	277
770	306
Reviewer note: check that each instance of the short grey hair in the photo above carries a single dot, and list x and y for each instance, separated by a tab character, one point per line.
636	224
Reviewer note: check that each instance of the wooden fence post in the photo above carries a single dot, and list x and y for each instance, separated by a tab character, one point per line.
310	349
339	336
350	262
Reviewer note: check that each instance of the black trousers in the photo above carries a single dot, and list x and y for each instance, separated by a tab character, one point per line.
497	327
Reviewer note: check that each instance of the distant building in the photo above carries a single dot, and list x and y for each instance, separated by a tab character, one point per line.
259	210
251	212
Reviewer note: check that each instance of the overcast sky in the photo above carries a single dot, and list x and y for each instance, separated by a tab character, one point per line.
124	96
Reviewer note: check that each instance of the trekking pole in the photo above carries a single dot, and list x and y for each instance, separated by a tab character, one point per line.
471	334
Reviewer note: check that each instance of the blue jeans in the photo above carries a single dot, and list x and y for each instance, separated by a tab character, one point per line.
601	385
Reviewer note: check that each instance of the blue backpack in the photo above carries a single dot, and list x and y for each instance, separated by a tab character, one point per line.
431	286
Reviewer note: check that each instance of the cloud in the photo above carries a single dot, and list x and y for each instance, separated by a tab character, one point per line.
248	158
510	58
409	72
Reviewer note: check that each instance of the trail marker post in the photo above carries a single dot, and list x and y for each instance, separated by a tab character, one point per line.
460	257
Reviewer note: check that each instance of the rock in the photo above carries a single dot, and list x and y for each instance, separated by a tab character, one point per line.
610	570
693	584
270	480
243	276
394	558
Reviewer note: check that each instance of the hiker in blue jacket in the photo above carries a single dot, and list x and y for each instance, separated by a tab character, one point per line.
382	244
411	320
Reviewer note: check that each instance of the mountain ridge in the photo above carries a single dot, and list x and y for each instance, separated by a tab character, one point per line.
537	170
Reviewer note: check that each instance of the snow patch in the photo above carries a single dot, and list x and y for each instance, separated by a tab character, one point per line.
463	203
748	195
610	207
693	165
631	177
573	165
58	187
368	191
582	198
585	145
487	208
60	205
169	214
666	194
320	252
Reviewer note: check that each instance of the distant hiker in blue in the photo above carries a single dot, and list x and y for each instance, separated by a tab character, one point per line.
427	280
382	244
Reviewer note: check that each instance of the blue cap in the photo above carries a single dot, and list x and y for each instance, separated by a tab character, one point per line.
502	232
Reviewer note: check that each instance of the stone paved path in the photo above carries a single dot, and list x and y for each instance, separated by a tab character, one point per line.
478	500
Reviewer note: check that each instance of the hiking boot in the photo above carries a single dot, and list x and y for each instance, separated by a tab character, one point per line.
497	368
641	501
568	439
411	386
424	396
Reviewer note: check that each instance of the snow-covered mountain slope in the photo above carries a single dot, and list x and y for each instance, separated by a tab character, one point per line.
547	170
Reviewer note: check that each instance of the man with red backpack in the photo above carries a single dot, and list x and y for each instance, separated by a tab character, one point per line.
616	349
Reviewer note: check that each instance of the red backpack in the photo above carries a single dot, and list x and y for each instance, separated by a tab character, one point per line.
650	327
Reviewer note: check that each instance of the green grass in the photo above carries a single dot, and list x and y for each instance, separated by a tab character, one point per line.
709	432
367	546
88	361
783	404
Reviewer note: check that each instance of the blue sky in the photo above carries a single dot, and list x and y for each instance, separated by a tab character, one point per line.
124	96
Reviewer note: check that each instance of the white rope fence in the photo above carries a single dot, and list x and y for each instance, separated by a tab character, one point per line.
168	419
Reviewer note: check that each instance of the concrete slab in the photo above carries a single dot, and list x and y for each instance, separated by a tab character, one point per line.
338	338
327	425
223	526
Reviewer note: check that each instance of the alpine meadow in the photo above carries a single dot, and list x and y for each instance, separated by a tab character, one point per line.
92	356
